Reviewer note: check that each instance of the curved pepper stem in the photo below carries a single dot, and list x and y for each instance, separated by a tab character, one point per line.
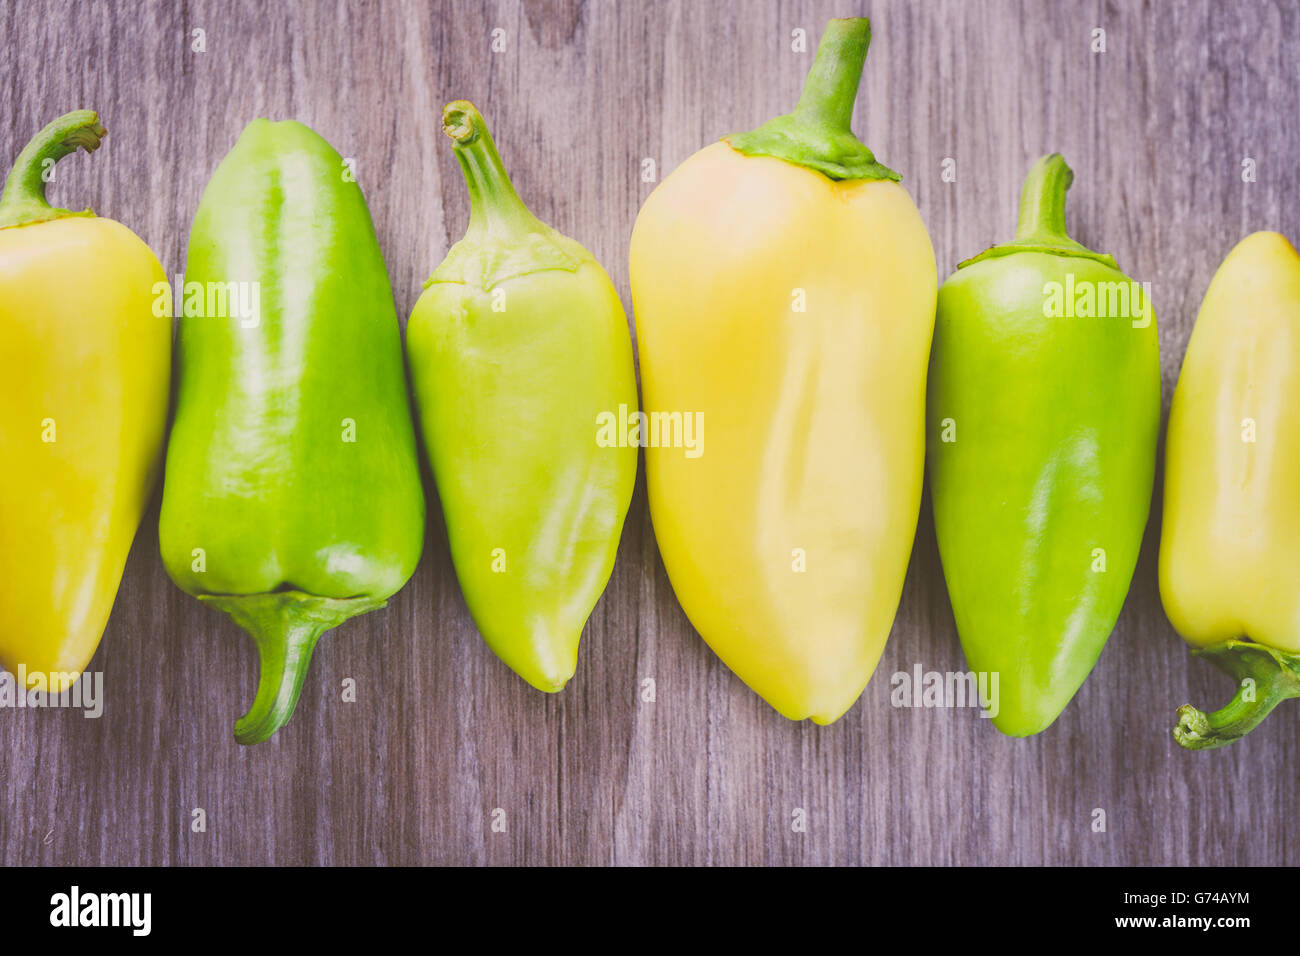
1042	203
494	205
504	238
817	133
285	625
1274	676
23	200
1041	224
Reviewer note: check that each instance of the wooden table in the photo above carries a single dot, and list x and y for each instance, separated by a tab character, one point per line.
442	735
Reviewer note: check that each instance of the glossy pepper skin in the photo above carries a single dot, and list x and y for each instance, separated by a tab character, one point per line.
518	345
1230	545
784	290
1043	417
84	369
292	497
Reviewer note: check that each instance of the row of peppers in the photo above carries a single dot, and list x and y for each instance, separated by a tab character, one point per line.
784	289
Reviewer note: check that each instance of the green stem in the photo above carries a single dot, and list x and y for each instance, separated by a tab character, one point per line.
1041	223
494	204
285	626
1042	202
1265	678
818	133
504	239
23	200
831	87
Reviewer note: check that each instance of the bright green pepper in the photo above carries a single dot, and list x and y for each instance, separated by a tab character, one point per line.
1043	411
292	497
520	357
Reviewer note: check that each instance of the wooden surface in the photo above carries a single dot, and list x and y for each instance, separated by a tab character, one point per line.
442	734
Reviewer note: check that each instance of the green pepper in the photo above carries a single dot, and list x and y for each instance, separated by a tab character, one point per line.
1043	412
522	365
292	497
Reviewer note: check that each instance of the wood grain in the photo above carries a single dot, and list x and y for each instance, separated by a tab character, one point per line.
1156	128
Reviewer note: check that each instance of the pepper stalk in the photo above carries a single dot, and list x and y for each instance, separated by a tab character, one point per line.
504	239
818	133
1265	677
1040	226
285	626
23	201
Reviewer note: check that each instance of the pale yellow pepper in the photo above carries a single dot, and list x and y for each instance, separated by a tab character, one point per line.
85	356
784	287
1230	545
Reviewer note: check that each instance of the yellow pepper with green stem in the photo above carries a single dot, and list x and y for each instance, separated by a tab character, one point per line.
85	364
1230	545
784	288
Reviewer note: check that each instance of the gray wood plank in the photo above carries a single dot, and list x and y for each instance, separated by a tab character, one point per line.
442	733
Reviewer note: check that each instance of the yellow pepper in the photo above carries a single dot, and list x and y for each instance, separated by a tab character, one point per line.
1230	546
784	288
84	369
